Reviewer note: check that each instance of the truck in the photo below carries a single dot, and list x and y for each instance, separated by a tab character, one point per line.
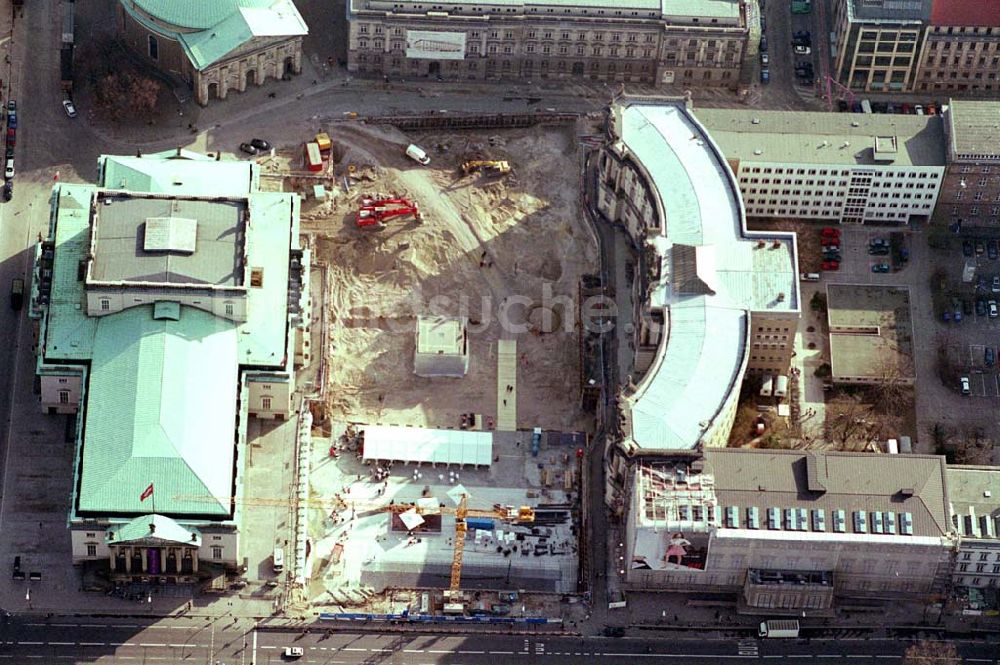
779	628
17	294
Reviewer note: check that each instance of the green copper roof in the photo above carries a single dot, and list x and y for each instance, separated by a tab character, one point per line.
210	29
196	14
162	408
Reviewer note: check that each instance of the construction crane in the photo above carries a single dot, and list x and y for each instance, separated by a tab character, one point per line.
375	211
493	166
460	528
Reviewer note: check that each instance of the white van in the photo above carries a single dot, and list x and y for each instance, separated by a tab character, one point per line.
417	154
279	560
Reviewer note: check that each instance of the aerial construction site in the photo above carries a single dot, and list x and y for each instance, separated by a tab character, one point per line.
450	450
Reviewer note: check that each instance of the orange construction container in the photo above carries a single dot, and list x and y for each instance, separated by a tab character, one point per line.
323	141
314	160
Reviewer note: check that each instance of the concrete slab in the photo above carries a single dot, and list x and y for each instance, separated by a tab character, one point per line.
507	385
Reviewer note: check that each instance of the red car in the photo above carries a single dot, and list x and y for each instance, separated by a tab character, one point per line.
907	109
828	241
831	265
830	232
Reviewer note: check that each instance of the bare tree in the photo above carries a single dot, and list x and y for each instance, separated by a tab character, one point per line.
120	94
892	392
928	652
847	419
971	447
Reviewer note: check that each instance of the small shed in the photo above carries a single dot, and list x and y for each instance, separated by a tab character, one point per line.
442	347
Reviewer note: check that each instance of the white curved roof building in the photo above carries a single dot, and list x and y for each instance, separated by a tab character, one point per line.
709	293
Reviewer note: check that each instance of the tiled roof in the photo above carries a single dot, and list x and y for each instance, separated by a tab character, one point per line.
852	482
974	127
981	13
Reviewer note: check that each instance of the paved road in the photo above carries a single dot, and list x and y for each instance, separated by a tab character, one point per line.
197	641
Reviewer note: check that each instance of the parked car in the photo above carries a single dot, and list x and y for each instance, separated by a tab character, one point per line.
989	356
993	309
830	232
832	256
293	652
11	137
991	249
763	43
881	267
946	316
12	121
763	59
980	248
878	251
829	242
830	265
8	190
980	307
967	248
965	385
832	246
9	171
763	23
907	109
995	286
248	149
931	109
918	109
261	145
69	108
802	50
765	76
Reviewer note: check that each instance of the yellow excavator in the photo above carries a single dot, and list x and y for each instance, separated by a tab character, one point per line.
490	166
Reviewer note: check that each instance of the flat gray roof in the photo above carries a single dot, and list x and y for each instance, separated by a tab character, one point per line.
124	225
812	480
974	493
805	137
974	127
871	331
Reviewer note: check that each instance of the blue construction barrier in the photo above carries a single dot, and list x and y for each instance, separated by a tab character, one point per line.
433	618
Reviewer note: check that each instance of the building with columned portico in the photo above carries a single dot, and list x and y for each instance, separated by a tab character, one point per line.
171	306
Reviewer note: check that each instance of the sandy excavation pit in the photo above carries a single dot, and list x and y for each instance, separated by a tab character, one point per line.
486	244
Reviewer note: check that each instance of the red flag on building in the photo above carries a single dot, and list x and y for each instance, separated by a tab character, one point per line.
146	493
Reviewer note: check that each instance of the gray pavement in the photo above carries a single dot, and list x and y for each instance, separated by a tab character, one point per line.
241	642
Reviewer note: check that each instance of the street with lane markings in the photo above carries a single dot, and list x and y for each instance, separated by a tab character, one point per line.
237	641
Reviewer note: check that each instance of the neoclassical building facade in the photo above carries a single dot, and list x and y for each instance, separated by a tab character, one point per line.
215	46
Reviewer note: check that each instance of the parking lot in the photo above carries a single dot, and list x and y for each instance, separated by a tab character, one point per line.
939	402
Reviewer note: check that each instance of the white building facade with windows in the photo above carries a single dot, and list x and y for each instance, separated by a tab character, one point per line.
846	168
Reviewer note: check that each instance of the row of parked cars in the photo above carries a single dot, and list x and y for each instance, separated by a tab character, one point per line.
976	247
904	108
8	171
982	306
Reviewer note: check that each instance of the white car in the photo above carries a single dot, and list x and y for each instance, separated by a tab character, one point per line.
994	311
9	171
764	59
802	50
293	652
70	109
965	385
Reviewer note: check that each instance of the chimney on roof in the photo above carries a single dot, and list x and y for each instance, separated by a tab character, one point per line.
907	491
178	151
194	537
152	527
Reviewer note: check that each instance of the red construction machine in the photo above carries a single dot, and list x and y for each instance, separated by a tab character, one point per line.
376	211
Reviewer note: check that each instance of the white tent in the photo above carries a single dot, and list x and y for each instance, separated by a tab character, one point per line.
437	446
